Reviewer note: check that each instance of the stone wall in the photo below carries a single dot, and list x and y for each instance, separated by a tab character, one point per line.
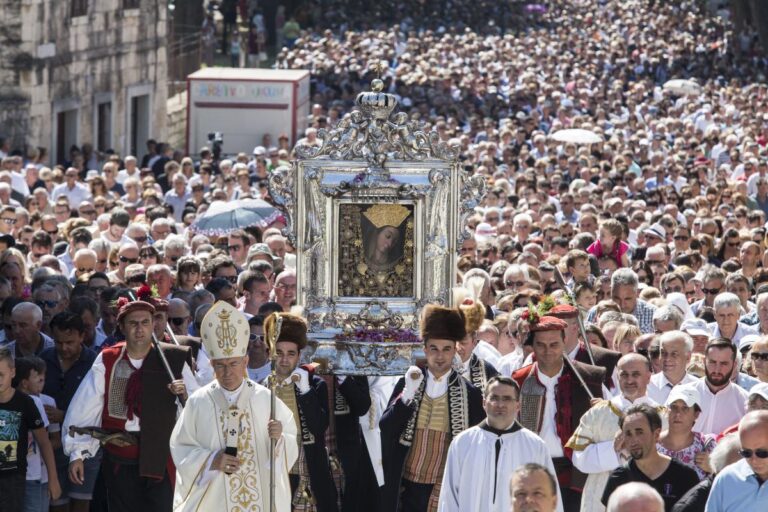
52	61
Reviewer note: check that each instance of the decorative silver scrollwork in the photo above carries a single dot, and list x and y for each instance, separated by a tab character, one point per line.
473	190
372	133
376	314
281	190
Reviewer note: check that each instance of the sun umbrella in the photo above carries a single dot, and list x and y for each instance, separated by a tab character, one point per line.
577	136
682	87
224	217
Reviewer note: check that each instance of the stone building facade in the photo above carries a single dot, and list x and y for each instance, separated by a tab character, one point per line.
83	71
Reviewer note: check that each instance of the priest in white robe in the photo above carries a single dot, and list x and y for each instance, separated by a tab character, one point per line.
481	459
597	444
221	442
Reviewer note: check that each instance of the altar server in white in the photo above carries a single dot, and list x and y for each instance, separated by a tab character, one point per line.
481	459
231	413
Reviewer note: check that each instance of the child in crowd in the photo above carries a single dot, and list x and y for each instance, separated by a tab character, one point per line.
609	243
30	379
19	416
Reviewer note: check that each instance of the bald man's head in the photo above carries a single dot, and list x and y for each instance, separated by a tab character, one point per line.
753	434
637	497
634	374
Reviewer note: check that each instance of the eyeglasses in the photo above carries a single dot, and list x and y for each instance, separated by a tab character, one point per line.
760	453
88	212
711	291
174	258
759	356
9	221
46	304
123	259
681	238
53	231
177	320
139	239
253	338
231	279
286	286
84	270
673	289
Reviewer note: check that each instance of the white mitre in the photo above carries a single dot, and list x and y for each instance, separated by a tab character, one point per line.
225	332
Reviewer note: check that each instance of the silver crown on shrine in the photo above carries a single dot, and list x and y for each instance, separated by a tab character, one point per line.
376	104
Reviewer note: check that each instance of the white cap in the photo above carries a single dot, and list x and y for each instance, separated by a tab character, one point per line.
259	150
687	394
747	341
760	389
695	327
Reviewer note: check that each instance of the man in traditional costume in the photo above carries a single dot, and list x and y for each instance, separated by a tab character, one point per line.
576	348
221	443
554	397
474	369
427	410
126	380
306	395
349	399
598	446
481	459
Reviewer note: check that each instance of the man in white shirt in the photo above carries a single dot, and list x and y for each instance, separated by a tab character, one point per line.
71	189
723	403
131	170
597	450
676	349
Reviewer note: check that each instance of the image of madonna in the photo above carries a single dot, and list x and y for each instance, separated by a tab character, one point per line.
384	236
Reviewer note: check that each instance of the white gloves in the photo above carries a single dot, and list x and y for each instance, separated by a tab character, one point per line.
303	381
411	383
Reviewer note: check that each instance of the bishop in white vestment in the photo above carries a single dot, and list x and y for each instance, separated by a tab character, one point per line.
231	412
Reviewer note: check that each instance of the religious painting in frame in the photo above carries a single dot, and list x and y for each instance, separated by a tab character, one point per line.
376	245
374	212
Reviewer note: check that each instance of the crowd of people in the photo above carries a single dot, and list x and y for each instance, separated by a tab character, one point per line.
640	380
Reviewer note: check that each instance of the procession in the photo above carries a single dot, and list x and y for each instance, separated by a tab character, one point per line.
417	256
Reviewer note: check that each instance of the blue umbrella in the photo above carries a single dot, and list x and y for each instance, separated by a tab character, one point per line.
223	217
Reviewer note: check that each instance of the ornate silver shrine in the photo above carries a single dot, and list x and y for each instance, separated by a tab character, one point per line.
374	212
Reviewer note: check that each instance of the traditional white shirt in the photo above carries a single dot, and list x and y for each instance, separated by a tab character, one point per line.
719	410
476	479
659	387
548	425
511	362
488	353
436	387
88	403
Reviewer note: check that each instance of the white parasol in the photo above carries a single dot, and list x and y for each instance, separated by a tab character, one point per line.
577	136
682	87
